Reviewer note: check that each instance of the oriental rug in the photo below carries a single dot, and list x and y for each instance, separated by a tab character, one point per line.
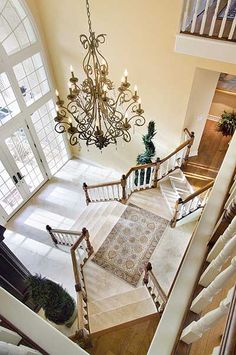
130	244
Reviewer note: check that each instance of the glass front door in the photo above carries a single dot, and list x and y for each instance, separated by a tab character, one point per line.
22	172
10	197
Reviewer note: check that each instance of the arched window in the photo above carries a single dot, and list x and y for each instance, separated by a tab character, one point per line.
30	149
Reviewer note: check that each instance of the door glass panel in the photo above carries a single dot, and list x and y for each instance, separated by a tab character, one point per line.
51	142
25	160
31	78
10	197
8	104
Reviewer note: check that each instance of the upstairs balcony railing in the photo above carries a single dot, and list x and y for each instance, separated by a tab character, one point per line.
210	18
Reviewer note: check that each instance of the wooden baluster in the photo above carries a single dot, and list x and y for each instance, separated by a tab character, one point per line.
151	180
196	329
185	16
232	29
189	146
99	194
147	268
139	179
132	181
49	229
195	16
167	167
178	207
113	192
214	18
223	239
222	27
215	266
118	192
85	188
207	294
89	246
204	17
172	160
157	170
145	178
123	186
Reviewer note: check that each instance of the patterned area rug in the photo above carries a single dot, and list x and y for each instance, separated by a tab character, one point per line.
131	243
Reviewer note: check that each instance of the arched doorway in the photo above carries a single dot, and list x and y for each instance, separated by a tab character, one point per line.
30	150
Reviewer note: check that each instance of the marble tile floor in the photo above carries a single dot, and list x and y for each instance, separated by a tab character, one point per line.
59	203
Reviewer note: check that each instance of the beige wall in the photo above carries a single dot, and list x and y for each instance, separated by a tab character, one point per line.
200	100
141	37
222	102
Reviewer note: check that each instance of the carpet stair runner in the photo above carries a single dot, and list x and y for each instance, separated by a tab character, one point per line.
176	186
120	308
99	218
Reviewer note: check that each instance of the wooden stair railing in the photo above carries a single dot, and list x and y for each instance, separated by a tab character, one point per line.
69	238
80	251
158	295
190	204
140	177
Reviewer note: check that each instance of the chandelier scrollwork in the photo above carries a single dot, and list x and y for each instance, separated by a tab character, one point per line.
94	113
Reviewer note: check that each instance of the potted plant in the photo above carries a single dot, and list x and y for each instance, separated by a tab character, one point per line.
227	123
58	305
146	157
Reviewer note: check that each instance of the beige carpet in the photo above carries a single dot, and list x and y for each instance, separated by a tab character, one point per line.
131	243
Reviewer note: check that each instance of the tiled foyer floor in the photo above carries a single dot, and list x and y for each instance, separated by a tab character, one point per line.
59	203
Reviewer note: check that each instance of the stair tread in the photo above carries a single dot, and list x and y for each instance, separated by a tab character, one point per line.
91	215
118	300
122	315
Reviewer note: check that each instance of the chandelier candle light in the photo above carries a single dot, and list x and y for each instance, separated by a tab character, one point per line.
93	112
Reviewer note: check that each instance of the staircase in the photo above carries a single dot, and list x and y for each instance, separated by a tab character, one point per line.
174	187
119	309
165	173
103	300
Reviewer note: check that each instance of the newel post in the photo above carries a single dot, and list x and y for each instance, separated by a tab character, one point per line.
178	206
189	146
158	163
85	188
148	268
49	229
123	186
85	233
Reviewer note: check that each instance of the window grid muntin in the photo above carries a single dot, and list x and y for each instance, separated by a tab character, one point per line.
5	105
24	78
7	187
12	31
51	143
24	157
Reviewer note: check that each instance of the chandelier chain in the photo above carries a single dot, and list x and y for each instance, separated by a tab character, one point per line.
89	16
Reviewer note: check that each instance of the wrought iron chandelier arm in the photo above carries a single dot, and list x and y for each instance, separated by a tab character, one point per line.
98	117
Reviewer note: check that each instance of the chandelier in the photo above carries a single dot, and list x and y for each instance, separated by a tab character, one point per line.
94	113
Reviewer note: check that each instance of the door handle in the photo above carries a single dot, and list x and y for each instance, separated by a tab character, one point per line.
20	177
15	179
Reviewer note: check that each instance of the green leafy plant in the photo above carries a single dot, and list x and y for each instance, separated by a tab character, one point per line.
147	155
58	305
227	123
